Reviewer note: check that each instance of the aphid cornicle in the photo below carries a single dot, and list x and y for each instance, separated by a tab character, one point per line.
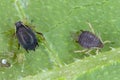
89	40
26	37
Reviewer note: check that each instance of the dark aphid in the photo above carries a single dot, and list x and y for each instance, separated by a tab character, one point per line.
26	37
89	40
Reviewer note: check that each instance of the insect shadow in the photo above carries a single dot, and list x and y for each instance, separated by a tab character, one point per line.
26	36
89	41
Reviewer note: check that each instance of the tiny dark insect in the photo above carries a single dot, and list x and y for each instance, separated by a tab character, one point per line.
89	40
26	37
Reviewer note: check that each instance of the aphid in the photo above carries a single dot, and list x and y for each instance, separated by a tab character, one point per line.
89	40
26	37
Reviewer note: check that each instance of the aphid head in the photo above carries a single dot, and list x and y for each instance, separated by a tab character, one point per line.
18	24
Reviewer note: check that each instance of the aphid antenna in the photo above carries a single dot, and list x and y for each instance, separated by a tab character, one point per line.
24	24
91	27
99	36
19	8
32	27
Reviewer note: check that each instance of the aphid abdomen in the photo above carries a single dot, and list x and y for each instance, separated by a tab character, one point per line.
89	40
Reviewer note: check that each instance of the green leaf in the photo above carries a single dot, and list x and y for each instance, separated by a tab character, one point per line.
59	21
104	66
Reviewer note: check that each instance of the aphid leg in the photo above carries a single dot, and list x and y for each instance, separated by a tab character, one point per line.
27	50
14	34
41	35
104	42
37	44
88	52
112	49
76	41
91	27
107	41
81	51
97	51
33	49
18	46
